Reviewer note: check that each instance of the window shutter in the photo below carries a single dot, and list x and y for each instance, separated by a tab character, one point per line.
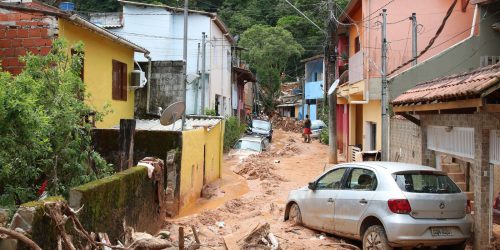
123	83
115	85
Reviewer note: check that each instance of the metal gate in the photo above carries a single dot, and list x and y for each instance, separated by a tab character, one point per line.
451	140
495	147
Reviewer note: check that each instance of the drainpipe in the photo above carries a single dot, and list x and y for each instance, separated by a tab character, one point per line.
149	82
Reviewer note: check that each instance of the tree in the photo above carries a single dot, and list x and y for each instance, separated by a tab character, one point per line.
43	135
269	50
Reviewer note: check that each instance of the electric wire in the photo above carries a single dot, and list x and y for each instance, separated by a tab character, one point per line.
431	42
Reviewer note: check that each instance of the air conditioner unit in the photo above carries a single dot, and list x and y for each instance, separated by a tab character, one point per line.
138	79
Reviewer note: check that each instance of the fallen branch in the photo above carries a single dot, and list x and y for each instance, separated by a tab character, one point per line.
13	234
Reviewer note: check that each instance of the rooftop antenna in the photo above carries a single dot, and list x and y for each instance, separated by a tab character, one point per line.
172	113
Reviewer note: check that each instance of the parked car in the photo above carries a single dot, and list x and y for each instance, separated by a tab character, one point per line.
385	205
262	128
249	145
316	127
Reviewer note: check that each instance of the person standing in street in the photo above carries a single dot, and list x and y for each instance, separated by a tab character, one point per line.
307	130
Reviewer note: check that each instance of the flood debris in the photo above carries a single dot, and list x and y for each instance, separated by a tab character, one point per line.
287	124
259	238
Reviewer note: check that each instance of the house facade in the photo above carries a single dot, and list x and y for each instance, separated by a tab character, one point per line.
361	88
447	116
159	28
107	61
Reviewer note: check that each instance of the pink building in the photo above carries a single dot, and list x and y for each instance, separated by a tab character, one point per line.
360	88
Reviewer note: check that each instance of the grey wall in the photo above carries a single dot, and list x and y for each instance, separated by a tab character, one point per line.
166	87
463	57
406	141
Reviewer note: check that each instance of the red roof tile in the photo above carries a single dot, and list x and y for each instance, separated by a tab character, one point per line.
460	86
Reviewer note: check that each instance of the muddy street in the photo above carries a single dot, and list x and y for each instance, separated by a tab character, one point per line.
252	192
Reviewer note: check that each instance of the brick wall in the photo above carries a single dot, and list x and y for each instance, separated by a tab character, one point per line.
22	32
406	141
480	169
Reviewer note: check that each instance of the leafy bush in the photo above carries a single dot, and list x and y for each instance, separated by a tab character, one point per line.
324	136
233	131
210	112
43	135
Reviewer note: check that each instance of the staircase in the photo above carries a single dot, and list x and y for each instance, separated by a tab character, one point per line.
457	174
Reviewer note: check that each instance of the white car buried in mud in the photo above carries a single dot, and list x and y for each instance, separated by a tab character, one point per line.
249	145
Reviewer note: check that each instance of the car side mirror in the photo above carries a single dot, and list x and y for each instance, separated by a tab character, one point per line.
312	185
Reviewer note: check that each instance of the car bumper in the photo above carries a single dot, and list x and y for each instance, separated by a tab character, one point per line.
403	230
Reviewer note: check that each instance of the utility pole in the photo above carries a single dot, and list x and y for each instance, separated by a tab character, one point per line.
203	66
414	37
331	67
385	91
184	57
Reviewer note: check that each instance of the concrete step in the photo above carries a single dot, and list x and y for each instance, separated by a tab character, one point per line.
461	185
457	177
451	167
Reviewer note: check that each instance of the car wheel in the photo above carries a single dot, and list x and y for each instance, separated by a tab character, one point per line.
375	239
460	246
294	215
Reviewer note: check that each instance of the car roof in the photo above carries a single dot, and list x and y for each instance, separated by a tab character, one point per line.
261	120
391	167
251	138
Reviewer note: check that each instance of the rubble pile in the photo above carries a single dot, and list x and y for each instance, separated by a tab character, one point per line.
260	238
253	169
287	124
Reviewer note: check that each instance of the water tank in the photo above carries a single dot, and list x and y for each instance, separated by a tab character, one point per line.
67	6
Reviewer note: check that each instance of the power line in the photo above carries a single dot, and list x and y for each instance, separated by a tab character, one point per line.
431	42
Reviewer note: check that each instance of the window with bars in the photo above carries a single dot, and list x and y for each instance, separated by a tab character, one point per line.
119	81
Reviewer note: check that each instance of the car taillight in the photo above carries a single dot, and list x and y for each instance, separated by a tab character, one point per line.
468	209
399	206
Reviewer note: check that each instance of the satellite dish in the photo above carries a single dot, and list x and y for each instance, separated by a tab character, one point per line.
172	113
333	87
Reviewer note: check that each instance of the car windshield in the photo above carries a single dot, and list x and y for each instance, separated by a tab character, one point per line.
261	124
248	145
317	124
425	182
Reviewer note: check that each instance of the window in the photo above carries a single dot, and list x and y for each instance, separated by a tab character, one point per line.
357	46
119	81
331	180
425	182
361	179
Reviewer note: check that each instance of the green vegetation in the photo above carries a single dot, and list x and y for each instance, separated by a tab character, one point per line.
42	130
270	48
210	112
232	132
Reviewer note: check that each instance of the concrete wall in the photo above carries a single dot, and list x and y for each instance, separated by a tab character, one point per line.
462	57
201	161
166	87
314	90
405	141
98	67
220	71
314	71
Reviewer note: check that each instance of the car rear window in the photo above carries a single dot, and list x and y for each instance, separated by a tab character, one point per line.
425	182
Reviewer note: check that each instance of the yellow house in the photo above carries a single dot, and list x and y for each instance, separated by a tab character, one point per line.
108	61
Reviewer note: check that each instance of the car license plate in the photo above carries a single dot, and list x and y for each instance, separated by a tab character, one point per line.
441	231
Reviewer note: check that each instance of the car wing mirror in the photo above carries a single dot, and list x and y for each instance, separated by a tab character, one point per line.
312	185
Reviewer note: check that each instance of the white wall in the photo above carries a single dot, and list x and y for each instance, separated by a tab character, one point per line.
161	32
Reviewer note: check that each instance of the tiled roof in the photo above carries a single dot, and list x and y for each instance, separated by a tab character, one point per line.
454	87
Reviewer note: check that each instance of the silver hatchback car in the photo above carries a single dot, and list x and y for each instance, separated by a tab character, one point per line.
386	205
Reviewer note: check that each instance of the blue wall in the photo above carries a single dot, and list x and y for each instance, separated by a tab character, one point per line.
314	71
314	90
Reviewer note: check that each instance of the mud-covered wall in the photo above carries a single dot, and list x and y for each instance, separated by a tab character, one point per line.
127	198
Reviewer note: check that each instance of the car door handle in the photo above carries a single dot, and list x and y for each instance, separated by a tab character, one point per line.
330	200
363	201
